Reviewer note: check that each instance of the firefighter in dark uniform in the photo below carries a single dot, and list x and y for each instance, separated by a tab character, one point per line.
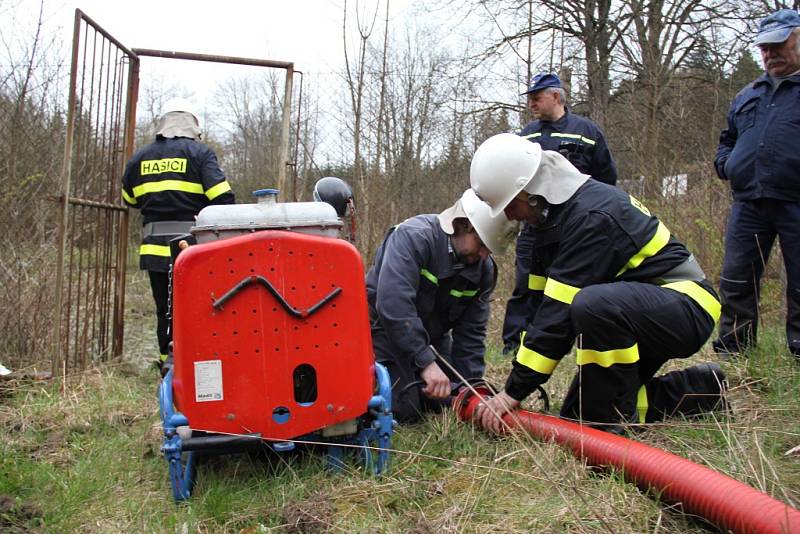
610	278
428	292
582	142
170	181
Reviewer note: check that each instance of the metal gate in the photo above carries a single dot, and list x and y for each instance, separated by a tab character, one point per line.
93	223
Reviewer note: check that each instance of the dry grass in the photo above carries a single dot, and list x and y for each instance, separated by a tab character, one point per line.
85	458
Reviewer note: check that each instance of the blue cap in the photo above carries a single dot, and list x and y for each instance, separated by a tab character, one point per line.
543	80
777	27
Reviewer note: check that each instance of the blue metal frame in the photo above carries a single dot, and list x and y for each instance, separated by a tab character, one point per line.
181	475
377	435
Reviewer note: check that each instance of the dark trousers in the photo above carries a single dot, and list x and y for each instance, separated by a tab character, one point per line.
518	306
659	324
408	401
752	228
159	284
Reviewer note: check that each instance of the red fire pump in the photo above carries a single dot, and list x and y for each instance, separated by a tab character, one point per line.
271	340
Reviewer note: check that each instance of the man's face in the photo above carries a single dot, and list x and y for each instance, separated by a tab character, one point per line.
469	247
519	209
544	105
781	59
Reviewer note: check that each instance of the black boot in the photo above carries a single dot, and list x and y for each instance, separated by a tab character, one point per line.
692	391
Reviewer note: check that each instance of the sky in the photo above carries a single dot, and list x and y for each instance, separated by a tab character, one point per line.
305	32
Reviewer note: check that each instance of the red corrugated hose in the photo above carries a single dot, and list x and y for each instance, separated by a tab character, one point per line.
723	501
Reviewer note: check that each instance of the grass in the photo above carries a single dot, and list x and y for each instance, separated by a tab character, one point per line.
86	459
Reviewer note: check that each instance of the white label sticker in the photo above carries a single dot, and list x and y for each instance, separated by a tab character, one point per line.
208	381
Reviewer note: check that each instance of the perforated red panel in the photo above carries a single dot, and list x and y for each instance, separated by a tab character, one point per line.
248	365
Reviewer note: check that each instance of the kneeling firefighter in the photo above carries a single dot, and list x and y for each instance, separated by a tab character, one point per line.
428	292
609	277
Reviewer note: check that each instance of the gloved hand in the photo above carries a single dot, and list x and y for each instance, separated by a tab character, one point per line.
437	384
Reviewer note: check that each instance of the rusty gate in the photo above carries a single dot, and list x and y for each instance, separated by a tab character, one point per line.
93	220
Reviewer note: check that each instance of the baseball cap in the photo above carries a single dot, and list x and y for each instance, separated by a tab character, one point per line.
543	80
777	27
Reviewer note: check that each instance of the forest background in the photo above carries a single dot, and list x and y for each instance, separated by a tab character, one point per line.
401	118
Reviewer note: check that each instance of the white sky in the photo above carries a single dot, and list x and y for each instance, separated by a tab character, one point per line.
306	32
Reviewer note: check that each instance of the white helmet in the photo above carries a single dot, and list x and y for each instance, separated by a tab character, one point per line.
496	232
502	167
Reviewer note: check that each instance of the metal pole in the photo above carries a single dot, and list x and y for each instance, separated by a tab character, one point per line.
122	248
283	160
58	363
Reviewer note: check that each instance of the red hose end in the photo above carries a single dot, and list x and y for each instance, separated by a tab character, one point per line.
466	400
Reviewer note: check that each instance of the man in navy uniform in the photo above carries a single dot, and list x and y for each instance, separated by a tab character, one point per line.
759	155
428	292
581	141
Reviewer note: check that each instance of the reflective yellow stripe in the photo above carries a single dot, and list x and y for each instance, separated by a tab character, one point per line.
574	136
158	166
533	360
536	283
154	250
651	248
702	297
464	293
641	404
559	291
607	358
429	275
217	190
128	199
531	136
163	357
167	185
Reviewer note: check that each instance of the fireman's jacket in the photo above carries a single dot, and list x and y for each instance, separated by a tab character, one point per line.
579	140
171	179
600	235
419	294
758	152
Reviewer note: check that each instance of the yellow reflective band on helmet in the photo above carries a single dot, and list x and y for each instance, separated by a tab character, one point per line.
607	358
154	250
217	190
641	404
702	297
158	166
536	283
167	185
464	293
128	199
429	275
651	248
533	360
574	136
559	291
533	135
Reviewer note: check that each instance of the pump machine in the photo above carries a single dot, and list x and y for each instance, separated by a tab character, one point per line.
271	340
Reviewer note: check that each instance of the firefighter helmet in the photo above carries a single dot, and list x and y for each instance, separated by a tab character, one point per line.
502	167
335	192
496	232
